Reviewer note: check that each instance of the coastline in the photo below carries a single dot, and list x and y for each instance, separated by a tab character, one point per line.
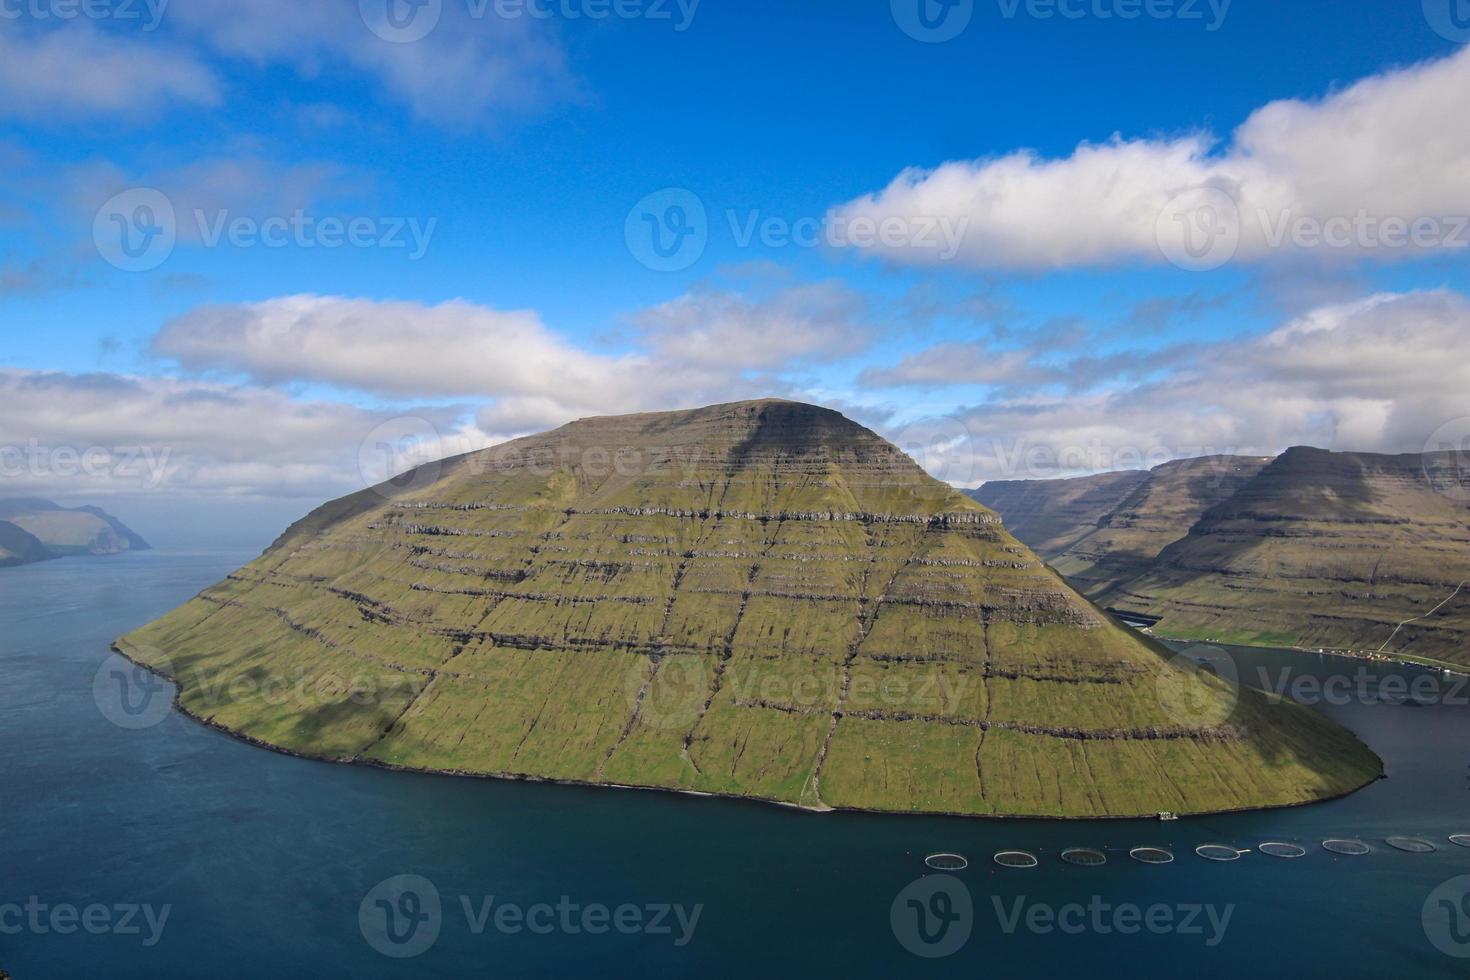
178	705
1362	656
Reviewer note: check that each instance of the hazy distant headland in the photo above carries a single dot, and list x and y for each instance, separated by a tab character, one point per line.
33	529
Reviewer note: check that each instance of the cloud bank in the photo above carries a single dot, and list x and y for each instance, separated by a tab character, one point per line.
1375	170
1371	375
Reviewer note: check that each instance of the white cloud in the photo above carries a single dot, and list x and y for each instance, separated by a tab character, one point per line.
79	71
960	364
1393	147
1376	375
110	433
454	349
462	73
466	73
712	329
700	348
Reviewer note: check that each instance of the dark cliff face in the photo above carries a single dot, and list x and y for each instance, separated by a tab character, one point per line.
762	599
129	540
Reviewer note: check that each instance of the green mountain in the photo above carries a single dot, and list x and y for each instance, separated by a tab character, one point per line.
761	599
61	531
20	547
1351	551
1129	517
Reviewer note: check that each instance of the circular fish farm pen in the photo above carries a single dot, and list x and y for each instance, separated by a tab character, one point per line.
1084	857
1151	855
1412	845
1352	848
1461	839
947	862
1217	852
1016	859
1278	849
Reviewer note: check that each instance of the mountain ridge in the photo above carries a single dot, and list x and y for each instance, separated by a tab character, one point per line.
1355	551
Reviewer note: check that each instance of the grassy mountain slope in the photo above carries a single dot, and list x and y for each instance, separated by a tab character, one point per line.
761	599
1152	516
1321	549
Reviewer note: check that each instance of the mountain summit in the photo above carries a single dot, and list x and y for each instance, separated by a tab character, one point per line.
761	599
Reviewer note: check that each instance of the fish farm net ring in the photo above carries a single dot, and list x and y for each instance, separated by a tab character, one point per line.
1462	839
1016	859
1217	852
1151	855
1411	844
1277	849
1084	857
1355	848
947	862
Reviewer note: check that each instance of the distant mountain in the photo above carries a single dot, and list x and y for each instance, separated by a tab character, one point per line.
1049	516
20	547
1148	519
65	531
1316	549
761	599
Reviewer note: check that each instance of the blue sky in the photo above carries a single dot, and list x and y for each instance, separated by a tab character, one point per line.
519	146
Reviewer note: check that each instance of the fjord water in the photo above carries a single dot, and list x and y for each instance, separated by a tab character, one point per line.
262	860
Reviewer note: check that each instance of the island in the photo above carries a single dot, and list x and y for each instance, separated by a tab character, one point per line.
32	530
761	599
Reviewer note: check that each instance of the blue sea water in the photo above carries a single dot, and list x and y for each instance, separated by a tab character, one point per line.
267	865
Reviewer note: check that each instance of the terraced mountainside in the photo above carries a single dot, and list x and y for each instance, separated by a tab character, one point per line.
70	530
1350	551
1344	550
1131	517
761	599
